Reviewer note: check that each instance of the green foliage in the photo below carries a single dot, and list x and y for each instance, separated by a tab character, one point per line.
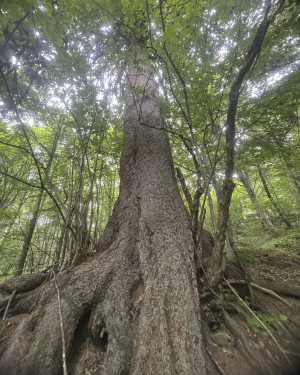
63	73
274	324
286	243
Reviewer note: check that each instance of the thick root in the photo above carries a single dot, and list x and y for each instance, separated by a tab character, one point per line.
36	345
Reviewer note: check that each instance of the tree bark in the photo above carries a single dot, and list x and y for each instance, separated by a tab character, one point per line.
141	289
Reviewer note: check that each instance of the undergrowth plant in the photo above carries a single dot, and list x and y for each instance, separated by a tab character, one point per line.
274	324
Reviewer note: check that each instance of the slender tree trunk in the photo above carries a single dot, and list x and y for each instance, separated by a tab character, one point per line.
90	201
230	254
34	219
293	182
218	189
141	290
29	234
272	200
264	218
294	190
9	228
212	212
218	260
294	174
193	203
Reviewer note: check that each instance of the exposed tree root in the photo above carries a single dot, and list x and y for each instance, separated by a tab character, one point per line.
211	313
218	367
42	328
291	327
113	304
23	283
242	343
281	288
26	302
262	324
120	301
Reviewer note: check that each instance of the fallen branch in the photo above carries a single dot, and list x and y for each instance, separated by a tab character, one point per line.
242	343
260	322
214	361
61	326
8	304
293	353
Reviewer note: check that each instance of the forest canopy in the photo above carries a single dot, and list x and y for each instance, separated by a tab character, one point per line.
63	81
103	104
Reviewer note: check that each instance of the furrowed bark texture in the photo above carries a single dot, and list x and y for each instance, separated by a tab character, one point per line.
141	289
168	339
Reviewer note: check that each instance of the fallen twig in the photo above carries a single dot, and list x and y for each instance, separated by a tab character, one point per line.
293	353
8	304
61	327
260	322
242	344
215	362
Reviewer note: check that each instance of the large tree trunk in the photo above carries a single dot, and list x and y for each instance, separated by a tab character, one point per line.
141	290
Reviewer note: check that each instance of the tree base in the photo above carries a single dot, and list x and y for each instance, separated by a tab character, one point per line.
231	345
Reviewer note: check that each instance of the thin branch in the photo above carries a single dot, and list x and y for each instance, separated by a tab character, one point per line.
16	146
61	326
260	322
214	361
265	290
18	24
185	189
23	181
182	166
36	161
8	304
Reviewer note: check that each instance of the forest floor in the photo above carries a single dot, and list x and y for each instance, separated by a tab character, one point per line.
273	263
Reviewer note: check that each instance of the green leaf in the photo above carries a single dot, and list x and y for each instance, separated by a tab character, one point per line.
283	317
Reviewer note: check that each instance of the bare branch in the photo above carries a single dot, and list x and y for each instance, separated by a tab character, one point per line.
23	181
8	304
64	356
